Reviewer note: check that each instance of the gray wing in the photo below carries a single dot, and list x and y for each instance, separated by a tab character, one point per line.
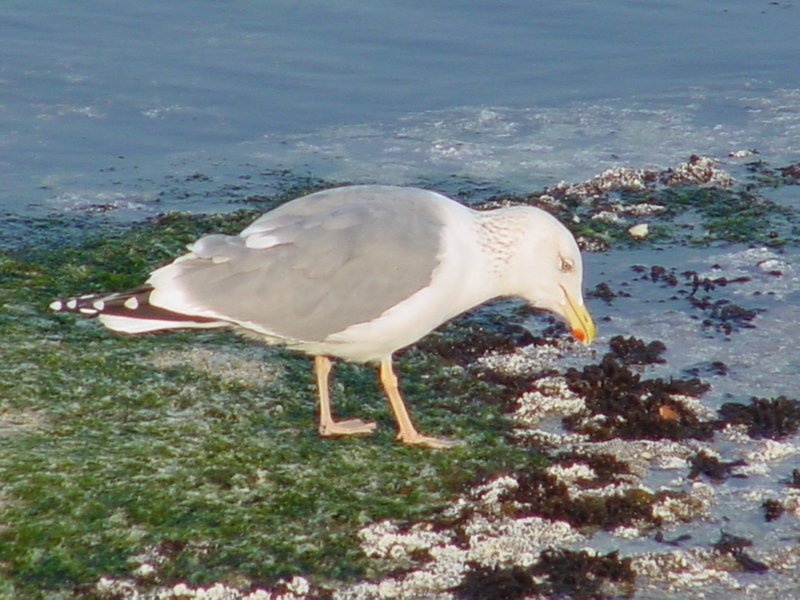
319	264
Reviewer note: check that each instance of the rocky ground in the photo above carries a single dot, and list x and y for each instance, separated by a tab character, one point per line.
661	463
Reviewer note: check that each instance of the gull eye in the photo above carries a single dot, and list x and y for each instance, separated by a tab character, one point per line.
567	265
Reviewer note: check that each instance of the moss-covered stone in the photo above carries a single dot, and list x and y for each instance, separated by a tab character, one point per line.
112	457
108	460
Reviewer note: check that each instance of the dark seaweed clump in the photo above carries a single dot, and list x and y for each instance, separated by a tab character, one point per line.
766	175
475	334
633	351
715	367
486	583
734	546
619	404
545	496
713	468
558	573
603	292
719	314
791	172
724	316
794	480
775	418
773	510
676	542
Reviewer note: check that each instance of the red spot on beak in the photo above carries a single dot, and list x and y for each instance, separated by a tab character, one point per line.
579	334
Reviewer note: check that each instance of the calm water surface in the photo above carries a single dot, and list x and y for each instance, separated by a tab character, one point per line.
101	101
160	105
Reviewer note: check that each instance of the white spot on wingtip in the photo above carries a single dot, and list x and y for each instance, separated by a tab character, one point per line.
131	303
56	305
99	305
72	304
88	311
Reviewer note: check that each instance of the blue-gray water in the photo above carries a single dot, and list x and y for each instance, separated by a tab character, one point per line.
101	101
118	103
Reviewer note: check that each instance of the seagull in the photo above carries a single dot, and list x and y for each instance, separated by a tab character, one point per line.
357	273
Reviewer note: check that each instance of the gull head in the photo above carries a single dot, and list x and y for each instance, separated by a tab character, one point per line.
547	271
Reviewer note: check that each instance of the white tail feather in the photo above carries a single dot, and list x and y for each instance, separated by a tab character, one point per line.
135	325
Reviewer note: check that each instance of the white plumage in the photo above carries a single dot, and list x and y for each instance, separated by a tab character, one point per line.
357	273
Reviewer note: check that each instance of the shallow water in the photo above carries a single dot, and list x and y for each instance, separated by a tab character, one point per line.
759	359
760	354
104	102
152	106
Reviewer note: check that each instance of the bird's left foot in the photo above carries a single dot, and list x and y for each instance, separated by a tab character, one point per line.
417	439
349	427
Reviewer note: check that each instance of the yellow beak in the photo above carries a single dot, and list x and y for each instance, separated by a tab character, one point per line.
580	322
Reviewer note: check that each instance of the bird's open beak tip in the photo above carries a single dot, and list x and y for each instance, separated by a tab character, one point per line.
580	335
579	319
584	334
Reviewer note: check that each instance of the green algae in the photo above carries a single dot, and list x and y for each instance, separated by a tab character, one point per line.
110	461
676	213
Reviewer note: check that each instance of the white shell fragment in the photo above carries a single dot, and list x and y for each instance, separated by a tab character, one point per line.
639	231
